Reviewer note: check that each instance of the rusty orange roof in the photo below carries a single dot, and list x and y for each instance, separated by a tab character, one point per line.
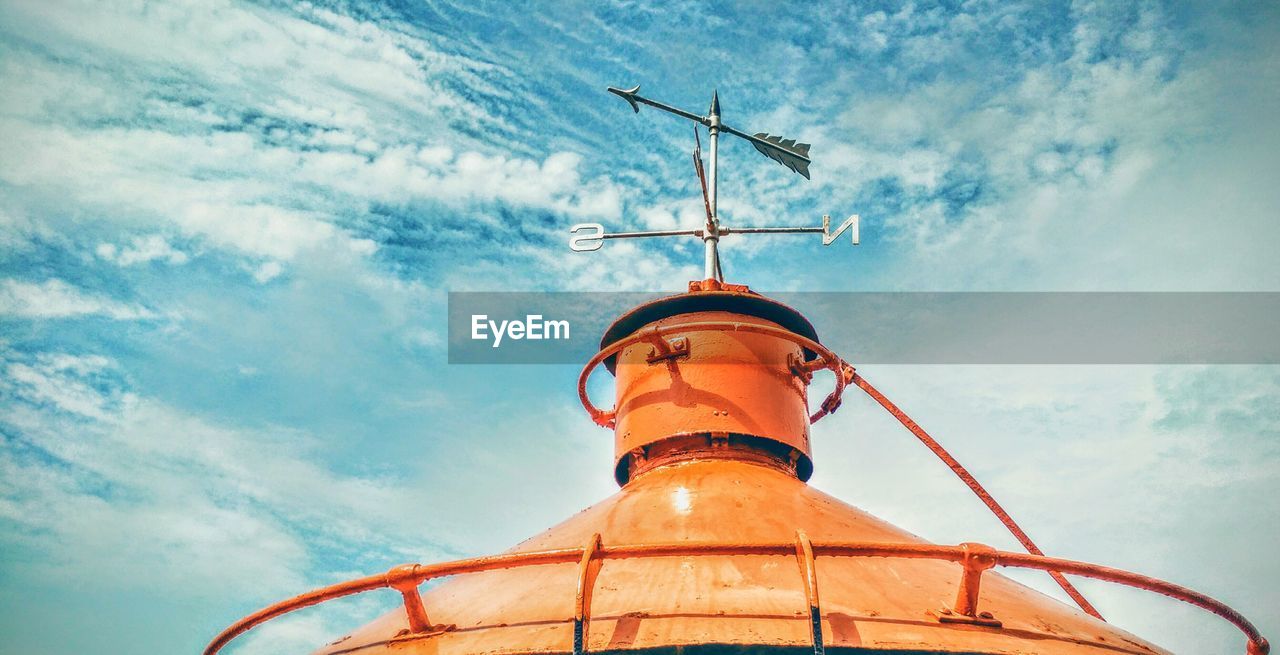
716	541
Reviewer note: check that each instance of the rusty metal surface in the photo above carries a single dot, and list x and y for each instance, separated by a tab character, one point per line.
676	403
728	382
879	592
716	539
729	595
818	357
707	296
809	578
588	569
699	590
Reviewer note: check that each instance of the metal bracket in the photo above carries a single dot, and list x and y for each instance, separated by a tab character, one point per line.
985	619
409	635
665	351
799	368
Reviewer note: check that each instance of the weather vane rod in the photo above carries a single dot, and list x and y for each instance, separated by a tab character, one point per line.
795	156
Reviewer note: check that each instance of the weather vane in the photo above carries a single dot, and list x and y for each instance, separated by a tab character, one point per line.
795	156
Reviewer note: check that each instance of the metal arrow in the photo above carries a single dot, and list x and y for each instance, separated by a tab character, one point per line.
782	150
787	152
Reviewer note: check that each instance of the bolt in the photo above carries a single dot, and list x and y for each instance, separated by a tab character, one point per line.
986	615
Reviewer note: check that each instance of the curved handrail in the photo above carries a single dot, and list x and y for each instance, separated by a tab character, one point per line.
654	333
976	487
411	575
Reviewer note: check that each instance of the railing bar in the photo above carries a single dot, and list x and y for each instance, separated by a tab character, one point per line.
416	574
1137	580
349	588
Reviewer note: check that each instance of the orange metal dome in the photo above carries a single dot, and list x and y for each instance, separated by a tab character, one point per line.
879	603
715	541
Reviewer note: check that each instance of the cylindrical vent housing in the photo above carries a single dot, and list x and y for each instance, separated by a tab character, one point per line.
712	387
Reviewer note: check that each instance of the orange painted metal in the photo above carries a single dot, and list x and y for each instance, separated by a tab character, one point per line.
877	594
715	538
656	336
588	569
977	559
809	577
671	340
689	395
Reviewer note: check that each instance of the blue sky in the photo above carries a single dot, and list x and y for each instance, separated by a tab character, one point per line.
227	231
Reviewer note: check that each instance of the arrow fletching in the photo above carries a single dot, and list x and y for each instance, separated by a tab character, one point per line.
784	151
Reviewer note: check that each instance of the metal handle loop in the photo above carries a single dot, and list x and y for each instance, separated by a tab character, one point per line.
825	359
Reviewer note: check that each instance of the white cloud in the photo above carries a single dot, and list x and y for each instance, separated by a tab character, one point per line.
319	116
142	491
268	271
1146	468
141	250
69	392
54	298
1099	166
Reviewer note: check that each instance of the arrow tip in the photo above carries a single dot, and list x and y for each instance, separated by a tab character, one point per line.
715	102
629	95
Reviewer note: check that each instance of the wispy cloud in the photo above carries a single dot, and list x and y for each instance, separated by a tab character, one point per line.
1145	468
300	183
55	298
141	250
99	478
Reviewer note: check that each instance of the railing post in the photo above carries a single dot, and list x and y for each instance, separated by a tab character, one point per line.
405	580
809	574
588	568
977	559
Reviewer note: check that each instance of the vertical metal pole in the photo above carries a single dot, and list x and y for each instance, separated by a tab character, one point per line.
711	236
809	574
977	558
406	579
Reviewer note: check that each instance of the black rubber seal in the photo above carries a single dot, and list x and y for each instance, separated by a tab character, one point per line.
750	304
